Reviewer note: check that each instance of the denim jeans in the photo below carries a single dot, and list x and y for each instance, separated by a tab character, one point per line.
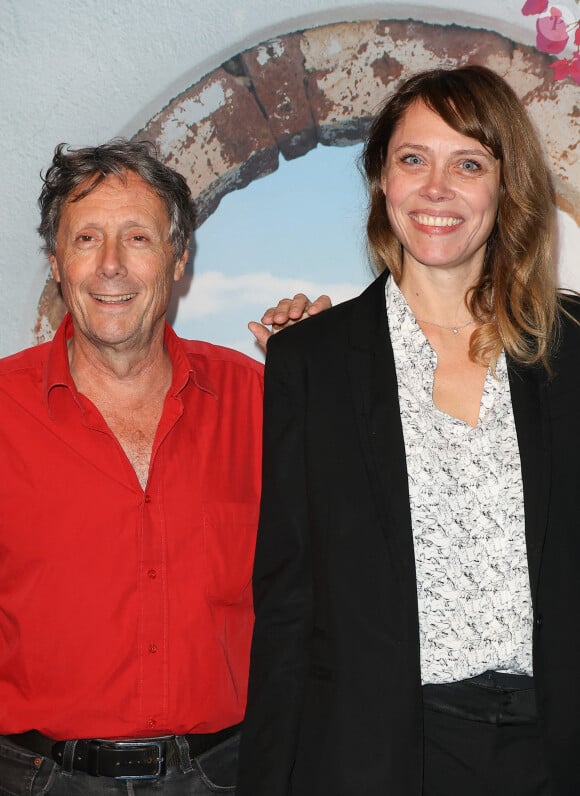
23	773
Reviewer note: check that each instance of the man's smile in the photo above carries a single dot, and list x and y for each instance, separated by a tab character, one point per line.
114	299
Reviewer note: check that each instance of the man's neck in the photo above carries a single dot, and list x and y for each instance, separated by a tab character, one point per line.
129	392
136	372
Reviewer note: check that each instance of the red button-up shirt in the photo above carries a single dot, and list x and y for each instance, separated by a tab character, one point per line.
126	612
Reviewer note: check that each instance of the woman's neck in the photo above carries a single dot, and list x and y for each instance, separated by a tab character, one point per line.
438	297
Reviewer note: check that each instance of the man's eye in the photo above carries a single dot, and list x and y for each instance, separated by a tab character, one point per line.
84	238
413	160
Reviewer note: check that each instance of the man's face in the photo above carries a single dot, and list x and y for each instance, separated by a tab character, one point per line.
115	263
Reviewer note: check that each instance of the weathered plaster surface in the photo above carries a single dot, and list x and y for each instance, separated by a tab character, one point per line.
323	85
83	73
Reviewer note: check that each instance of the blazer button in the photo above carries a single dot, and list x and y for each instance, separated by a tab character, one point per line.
539	622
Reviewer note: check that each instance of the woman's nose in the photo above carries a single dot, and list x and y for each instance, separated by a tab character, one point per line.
437	186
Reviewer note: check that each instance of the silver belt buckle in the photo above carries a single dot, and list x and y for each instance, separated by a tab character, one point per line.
157	743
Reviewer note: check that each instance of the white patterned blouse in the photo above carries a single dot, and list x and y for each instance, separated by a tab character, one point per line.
467	512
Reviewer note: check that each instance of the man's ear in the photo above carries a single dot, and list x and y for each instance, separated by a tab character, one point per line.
54	267
180	266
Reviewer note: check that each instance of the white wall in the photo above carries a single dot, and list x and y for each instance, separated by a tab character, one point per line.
83	71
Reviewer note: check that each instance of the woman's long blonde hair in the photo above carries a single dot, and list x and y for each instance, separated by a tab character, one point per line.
515	298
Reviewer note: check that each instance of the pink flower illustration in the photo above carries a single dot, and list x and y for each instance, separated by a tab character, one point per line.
552	36
534	7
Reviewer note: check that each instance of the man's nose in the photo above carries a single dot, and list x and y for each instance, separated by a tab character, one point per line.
112	262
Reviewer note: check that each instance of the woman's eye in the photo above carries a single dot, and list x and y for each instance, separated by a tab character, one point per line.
470	165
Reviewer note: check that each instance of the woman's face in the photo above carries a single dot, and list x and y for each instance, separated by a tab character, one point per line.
441	190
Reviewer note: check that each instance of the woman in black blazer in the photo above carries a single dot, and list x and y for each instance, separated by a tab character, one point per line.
417	583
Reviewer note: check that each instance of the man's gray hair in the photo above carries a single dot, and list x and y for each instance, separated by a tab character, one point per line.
89	166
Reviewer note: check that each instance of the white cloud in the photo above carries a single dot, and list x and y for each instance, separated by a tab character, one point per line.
216	293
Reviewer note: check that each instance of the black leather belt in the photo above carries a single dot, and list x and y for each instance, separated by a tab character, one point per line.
503	680
132	758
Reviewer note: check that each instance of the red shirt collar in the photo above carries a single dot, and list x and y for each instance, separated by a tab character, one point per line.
57	371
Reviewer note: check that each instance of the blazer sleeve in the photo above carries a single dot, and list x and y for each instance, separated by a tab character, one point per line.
282	585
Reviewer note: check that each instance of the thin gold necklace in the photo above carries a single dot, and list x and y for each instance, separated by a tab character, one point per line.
454	329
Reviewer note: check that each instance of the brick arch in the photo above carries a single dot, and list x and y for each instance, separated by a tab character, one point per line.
322	86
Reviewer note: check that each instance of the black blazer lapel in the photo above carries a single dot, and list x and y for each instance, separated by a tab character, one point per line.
529	400
371	368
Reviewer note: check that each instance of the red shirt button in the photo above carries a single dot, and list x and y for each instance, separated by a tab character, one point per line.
147	498
152	648
152	573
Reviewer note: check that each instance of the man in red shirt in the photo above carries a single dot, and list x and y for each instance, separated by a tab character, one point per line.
129	487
